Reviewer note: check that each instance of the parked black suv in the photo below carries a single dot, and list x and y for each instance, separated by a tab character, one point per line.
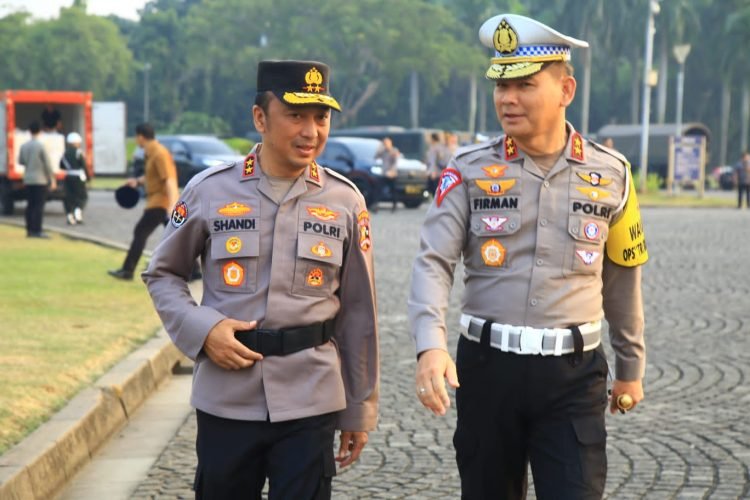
354	157
191	154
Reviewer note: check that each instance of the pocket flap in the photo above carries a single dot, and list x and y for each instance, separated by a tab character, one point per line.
232	245
590	429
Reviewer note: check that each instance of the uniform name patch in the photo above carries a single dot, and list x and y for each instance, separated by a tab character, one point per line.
495	187
591	209
495	203
234	274
449	179
493	253
587	257
320	228
322	213
234	209
179	214
221	225
493	223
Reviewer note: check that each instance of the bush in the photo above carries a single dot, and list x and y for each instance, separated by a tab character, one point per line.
239	144
653	182
191	122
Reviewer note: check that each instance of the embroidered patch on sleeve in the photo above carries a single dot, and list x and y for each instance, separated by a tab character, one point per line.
179	214
449	179
363	222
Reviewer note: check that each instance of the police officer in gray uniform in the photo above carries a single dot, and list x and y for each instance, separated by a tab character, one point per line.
548	226
285	339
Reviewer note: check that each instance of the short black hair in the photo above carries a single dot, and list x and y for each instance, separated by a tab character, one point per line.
34	127
263	100
146	130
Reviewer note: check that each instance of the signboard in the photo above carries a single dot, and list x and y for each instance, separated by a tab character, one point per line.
687	158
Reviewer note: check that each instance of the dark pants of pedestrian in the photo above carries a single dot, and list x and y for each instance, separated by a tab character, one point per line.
390	182
740	189
150	220
75	194
36	197
518	409
236	456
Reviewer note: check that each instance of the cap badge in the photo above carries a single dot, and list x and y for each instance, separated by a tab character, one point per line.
314	79
493	253
321	250
495	187
315	277
506	38
495	171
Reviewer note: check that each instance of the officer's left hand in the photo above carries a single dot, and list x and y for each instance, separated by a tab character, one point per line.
351	446
633	388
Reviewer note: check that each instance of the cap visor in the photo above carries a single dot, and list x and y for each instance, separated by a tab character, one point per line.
303	98
514	70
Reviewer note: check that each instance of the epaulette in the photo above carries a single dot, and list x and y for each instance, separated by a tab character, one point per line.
199	177
343	179
612	152
464	150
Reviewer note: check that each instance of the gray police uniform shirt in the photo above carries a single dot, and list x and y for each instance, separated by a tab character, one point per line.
34	158
306	260
532	246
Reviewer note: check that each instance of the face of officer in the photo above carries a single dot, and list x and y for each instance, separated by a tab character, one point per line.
534	106
293	136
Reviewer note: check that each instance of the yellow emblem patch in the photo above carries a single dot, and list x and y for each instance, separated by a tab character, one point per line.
493	253
495	171
505	38
322	213
626	242
233	244
234	274
314	79
234	209
321	250
315	277
495	188
594	193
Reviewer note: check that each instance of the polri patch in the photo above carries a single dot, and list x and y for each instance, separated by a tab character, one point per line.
233	244
321	250
179	214
363	223
315	277
587	257
493	253
234	209
234	274
495	171
494	223
322	213
495	187
449	179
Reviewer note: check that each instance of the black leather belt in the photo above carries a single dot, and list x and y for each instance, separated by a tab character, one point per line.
286	341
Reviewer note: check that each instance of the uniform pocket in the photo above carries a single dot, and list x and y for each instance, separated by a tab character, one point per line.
591	436
234	261
585	249
316	269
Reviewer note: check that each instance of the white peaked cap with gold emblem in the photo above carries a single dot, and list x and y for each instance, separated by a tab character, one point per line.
522	46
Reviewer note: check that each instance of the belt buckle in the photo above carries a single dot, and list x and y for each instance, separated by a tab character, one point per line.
531	340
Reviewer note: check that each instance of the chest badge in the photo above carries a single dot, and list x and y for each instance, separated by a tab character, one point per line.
233	245
315	277
322	213
321	250
234	209
179	214
494	223
593	193
591	230
495	188
495	171
587	257
234	274
594	178
493	253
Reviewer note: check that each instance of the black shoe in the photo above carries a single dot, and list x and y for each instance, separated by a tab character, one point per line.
121	274
43	236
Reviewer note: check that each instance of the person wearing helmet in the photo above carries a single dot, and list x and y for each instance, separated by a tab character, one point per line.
74	164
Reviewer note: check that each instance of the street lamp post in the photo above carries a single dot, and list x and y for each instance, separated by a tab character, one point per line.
146	69
653	9
680	53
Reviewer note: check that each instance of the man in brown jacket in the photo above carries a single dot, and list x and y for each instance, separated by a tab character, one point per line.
285	339
160	181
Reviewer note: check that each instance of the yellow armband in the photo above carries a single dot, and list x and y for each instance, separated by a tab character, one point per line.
626	244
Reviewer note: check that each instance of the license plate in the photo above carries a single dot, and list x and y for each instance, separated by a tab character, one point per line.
413	189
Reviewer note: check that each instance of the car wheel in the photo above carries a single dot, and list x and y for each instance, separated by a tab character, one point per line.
413	203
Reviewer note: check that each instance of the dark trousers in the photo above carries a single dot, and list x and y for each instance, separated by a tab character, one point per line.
75	193
519	409
236	456
390	182
740	189
36	197
150	220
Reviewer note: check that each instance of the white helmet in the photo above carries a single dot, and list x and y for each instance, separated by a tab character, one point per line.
74	138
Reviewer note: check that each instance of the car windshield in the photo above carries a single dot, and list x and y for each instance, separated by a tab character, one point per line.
209	147
364	149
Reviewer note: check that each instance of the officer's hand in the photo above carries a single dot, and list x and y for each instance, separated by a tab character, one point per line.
132	182
634	389
53	184
225	350
435	365
351	446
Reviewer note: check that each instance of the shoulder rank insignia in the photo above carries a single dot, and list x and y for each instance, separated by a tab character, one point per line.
576	147
249	167
495	188
511	151
594	178
493	253
593	193
314	172
495	171
234	209
322	213
449	179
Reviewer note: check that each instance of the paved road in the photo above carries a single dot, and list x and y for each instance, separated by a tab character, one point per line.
689	439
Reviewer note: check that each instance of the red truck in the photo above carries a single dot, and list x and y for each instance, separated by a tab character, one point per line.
100	124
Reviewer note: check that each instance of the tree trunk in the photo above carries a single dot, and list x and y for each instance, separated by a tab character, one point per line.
349	113
745	116
635	91
726	102
482	109
586	101
414	99
661	94
472	104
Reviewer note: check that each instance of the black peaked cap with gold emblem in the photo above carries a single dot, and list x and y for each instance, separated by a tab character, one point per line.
298	83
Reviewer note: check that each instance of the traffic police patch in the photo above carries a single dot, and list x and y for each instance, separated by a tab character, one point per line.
593	193
234	274
179	214
363	221
449	179
321	250
495	171
591	230
594	178
587	257
234	244
315	277
322	213
234	209
494	223
495	188
493	253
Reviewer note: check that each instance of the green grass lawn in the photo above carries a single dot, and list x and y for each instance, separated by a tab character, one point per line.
63	322
686	199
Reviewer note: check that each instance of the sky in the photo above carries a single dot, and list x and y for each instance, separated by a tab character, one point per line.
46	9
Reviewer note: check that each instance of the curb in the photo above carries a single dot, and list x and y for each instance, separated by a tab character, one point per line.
40	465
